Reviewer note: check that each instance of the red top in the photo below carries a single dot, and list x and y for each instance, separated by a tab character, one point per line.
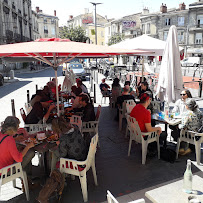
142	116
8	151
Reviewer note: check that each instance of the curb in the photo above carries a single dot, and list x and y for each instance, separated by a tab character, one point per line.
29	71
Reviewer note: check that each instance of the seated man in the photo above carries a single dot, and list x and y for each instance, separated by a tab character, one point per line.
125	96
143	88
81	85
40	111
143	116
88	108
104	87
127	84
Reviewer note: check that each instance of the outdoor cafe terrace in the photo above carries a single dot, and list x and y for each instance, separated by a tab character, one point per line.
124	176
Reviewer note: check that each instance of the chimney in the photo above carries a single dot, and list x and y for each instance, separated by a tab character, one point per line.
37	9
145	11
163	8
106	17
182	6
70	17
54	12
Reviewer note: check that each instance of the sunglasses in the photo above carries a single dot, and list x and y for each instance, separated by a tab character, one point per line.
182	94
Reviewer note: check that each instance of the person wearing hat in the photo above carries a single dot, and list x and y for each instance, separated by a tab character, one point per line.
192	121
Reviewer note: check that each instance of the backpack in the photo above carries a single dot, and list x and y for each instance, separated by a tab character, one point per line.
54	183
168	154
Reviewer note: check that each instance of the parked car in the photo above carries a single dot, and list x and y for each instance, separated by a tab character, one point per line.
77	69
191	61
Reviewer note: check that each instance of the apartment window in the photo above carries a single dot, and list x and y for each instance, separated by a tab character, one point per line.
52	21
168	21
109	30
181	21
102	33
148	28
45	20
143	29
165	35
131	32
53	31
198	38
180	36
200	20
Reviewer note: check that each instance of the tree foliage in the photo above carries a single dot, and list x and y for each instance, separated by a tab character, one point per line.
116	38
76	34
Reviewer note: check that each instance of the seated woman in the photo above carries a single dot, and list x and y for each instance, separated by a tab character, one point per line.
191	120
180	106
9	152
71	143
116	89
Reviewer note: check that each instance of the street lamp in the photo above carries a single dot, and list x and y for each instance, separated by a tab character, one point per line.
95	20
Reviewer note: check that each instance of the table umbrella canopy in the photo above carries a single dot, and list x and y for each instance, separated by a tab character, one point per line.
170	82
144	42
56	51
61	48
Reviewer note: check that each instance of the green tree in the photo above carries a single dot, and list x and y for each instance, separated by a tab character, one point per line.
76	34
116	38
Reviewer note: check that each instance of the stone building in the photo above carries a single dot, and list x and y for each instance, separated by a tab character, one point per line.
86	21
15	21
48	24
128	26
195	29
158	24
189	23
35	25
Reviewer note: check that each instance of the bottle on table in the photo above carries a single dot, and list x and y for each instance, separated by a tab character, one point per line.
166	109
187	182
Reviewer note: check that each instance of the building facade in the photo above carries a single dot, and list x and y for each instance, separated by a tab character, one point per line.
189	23
15	21
86	21
35	25
48	24
128	26
195	29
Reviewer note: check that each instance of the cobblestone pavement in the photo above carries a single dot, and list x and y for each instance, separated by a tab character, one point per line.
124	176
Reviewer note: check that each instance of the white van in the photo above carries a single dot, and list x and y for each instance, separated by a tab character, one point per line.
191	61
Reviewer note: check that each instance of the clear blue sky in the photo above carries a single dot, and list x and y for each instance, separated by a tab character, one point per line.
111	8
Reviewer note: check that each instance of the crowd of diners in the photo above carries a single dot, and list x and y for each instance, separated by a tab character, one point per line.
71	143
186	107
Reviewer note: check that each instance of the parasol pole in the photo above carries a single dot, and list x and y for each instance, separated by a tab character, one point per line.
57	91
142	68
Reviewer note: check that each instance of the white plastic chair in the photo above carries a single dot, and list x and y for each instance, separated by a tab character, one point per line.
91	127
34	128
112	199
105	94
129	108
10	173
76	120
70	166
138	136
122	111
28	108
189	137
